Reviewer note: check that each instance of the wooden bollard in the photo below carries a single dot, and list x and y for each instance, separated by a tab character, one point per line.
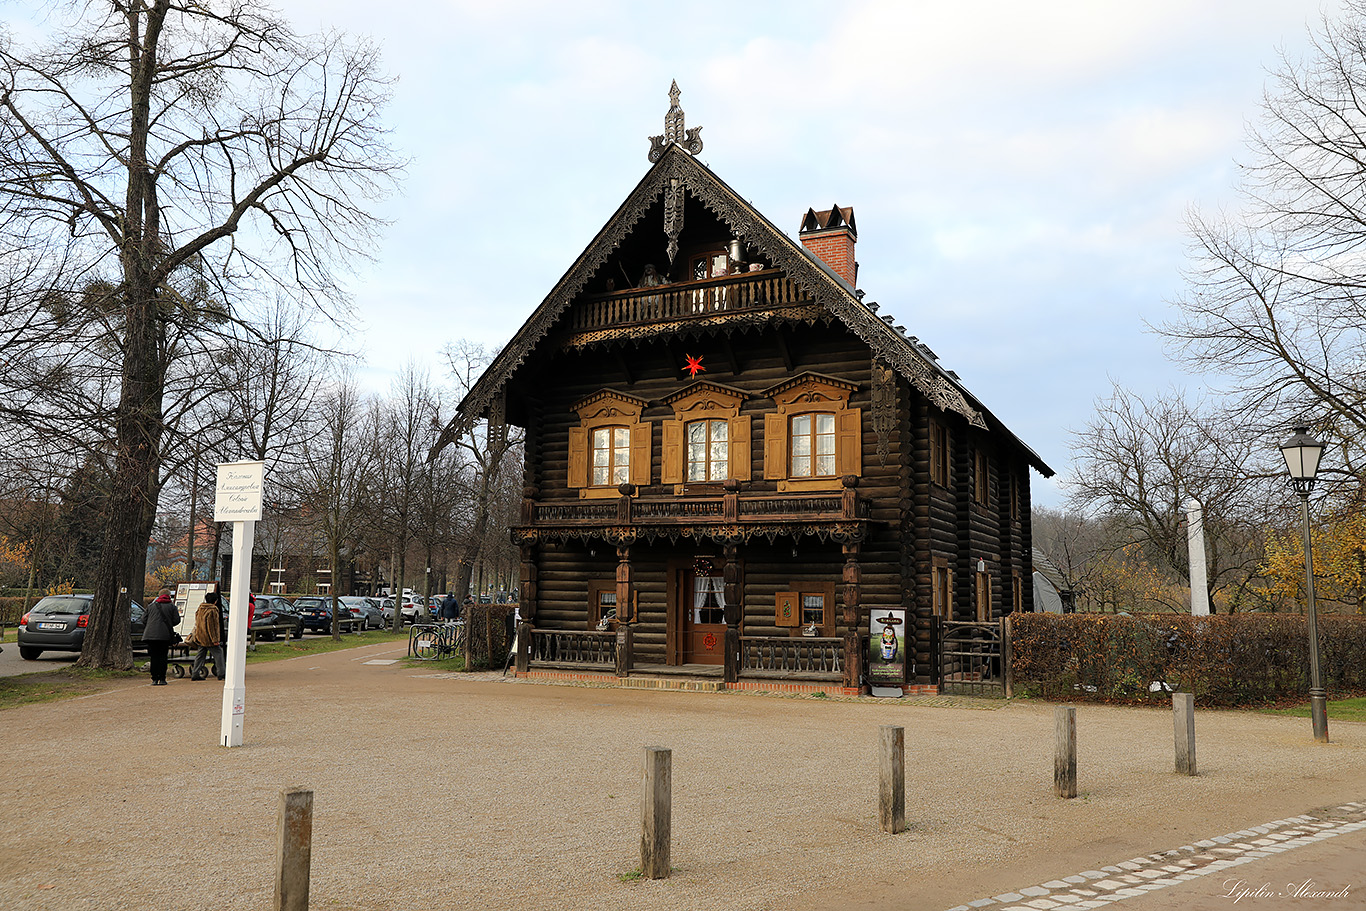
1183	725
1065	759
891	766
294	843
656	812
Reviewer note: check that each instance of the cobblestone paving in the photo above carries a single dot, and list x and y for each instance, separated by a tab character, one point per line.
1096	888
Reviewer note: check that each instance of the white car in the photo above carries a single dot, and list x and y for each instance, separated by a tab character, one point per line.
412	613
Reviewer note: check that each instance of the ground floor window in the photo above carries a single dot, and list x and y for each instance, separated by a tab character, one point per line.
815	607
939	581
709	599
983	597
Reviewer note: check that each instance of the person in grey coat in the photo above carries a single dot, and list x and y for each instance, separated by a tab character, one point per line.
159	633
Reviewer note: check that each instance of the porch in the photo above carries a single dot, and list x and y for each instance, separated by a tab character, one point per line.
788	664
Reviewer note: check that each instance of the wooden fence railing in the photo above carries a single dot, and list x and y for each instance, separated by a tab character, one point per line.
815	655
574	647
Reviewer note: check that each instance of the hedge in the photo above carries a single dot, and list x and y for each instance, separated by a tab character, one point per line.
487	639
1227	660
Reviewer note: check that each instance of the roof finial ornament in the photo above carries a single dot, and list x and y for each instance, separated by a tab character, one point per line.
675	130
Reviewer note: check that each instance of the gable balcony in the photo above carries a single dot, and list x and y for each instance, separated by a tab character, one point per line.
657	309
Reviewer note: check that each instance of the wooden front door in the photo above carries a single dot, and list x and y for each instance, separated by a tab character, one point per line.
698	616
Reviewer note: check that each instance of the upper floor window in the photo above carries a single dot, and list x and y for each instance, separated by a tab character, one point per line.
611	445
710	265
939	453
611	456
814	438
708	440
981	475
813	446
708	450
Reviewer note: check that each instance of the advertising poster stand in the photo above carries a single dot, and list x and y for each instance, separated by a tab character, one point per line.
887	652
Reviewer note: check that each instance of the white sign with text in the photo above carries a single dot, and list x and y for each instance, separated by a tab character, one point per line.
237	497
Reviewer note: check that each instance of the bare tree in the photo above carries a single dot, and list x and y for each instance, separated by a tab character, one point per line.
1138	463
161	144
333	482
1276	296
408	435
485	447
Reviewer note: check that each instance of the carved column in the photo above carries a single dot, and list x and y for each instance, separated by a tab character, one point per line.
853	652
735	610
625	609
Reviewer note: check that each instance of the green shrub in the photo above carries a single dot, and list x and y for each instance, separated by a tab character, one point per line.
1239	659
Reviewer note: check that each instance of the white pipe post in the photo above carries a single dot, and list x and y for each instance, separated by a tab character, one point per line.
1195	541
234	687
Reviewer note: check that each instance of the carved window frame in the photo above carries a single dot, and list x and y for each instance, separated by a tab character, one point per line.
705	401
602	409
812	393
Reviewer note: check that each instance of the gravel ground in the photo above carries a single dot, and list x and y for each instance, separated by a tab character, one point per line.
452	791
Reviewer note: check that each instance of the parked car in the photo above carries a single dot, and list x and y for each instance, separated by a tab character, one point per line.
316	612
364	609
57	623
273	611
411	612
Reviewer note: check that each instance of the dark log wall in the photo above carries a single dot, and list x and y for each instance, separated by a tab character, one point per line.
913	518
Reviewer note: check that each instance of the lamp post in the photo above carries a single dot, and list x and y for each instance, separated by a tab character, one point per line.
1302	454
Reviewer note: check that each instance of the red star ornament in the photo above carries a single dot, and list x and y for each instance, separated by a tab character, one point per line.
694	366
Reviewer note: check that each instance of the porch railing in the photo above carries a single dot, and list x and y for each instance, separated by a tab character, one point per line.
814	655
553	646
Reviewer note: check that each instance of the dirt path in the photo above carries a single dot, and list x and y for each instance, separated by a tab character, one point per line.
441	791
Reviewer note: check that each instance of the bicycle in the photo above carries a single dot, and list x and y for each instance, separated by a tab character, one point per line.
436	641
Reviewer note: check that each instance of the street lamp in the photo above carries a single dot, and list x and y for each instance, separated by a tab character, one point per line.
1302	454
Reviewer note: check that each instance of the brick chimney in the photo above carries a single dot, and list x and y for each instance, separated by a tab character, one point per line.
831	234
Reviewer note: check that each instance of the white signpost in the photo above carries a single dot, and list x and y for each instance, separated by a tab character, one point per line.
237	499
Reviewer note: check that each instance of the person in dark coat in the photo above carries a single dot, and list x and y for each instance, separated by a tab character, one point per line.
450	608
159	633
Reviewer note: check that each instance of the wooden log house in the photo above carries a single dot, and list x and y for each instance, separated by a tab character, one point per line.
731	457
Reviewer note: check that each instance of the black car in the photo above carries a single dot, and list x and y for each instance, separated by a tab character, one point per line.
58	623
273	611
317	612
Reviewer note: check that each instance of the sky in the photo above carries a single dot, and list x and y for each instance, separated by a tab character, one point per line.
1021	173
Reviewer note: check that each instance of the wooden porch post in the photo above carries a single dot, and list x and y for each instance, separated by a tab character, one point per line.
735	609
853	652
526	606
625	609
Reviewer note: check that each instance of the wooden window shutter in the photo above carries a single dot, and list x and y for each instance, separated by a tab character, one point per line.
849	442
671	460
739	448
775	446
640	453
578	457
787	610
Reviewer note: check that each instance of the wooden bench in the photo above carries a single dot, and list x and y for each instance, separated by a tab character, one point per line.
351	624
255	631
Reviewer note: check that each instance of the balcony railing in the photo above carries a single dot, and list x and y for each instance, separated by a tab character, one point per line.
730	508
687	300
